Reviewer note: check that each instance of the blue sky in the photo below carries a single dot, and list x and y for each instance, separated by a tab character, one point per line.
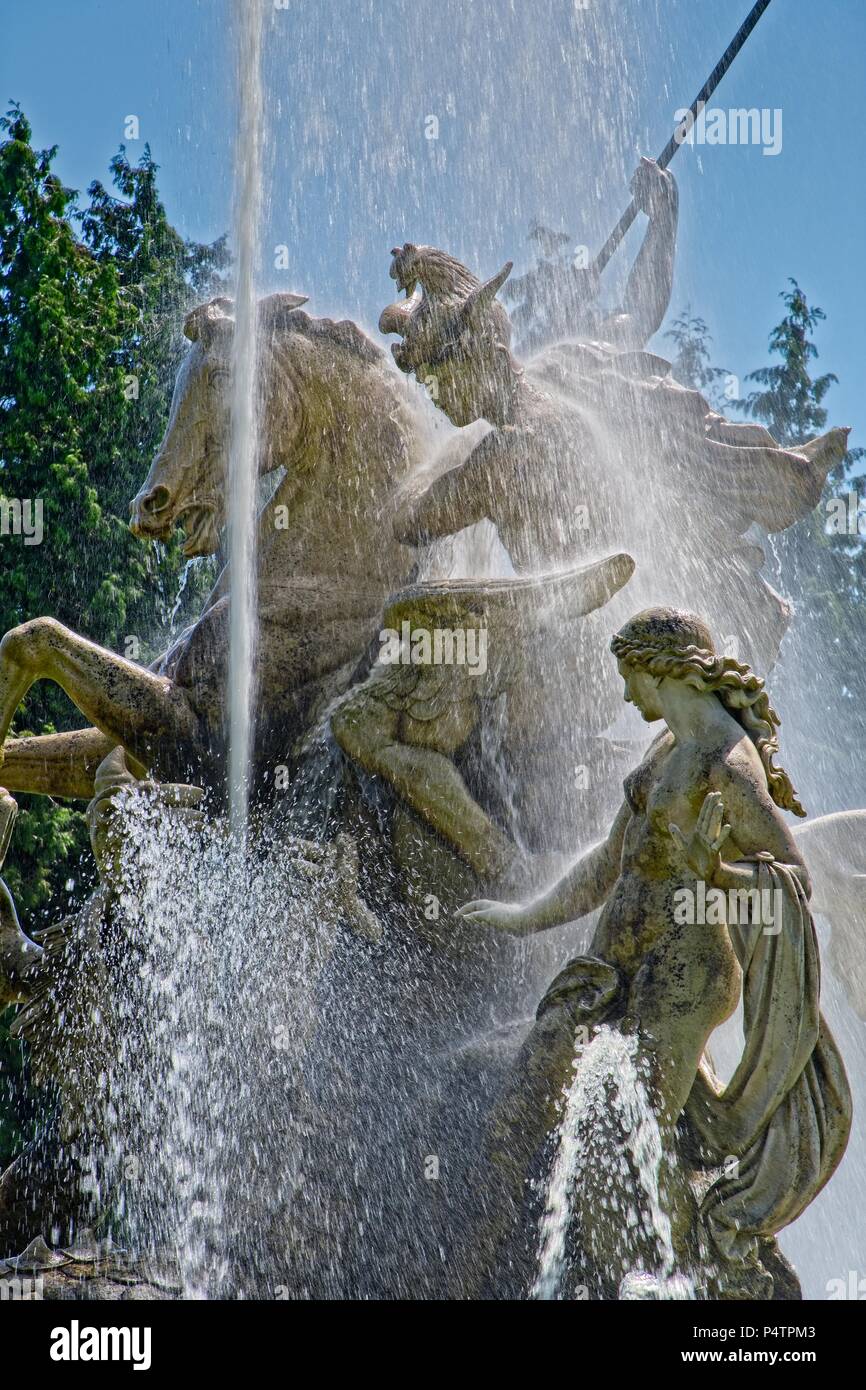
542	107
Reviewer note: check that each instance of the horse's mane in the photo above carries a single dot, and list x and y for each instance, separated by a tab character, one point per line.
341	334
346	369
276	314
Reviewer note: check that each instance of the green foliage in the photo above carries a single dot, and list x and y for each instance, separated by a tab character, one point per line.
60	327
92	302
825	572
90	340
691	365
826	567
789	403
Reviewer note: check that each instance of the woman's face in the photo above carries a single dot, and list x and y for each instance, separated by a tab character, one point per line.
641	690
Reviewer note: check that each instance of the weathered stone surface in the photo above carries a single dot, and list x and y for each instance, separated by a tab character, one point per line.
701	816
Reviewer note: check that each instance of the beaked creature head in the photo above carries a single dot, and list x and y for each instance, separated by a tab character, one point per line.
456	336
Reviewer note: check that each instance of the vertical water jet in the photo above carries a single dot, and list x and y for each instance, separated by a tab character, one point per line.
244	434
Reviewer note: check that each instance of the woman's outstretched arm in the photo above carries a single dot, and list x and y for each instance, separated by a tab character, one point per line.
583	888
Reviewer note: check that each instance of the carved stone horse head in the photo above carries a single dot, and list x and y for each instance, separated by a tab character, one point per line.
186	485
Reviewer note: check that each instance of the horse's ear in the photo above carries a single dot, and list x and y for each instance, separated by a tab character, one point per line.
289	300
275	307
206	321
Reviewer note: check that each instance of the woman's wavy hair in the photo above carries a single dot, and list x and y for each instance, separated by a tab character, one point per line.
668	642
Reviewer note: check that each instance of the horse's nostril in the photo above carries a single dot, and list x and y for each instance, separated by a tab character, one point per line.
156	501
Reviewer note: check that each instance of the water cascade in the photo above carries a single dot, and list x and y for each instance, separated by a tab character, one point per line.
242	492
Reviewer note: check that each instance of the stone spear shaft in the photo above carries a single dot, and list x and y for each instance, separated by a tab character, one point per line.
684	126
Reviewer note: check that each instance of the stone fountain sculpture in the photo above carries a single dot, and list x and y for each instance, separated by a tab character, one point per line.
702	813
76	983
328	560
409	718
550	475
335	420
338	538
544	475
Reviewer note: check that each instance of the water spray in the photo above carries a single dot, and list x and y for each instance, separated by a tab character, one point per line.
244	436
684	127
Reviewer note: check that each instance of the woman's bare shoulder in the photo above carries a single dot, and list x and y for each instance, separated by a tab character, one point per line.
758	823
739	769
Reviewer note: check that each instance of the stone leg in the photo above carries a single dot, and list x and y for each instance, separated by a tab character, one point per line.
413	757
129	704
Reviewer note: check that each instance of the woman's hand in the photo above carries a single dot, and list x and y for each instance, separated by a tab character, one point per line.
483	912
703	851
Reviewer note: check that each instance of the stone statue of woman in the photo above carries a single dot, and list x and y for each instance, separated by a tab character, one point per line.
703	892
